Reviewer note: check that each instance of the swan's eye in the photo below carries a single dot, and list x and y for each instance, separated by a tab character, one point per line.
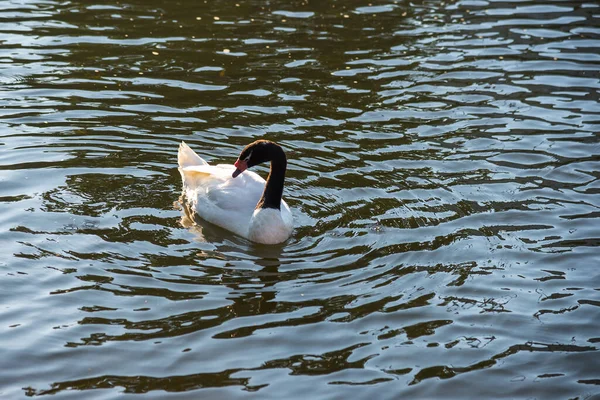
248	156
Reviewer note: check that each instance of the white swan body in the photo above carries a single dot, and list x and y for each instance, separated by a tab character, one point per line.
231	202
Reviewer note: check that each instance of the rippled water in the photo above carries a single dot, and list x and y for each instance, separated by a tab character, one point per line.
444	173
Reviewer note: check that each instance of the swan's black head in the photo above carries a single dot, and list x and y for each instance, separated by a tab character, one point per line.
256	153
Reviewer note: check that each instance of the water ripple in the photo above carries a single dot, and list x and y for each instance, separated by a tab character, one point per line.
443	173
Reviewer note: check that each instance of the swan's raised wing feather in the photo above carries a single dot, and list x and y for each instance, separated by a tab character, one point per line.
187	157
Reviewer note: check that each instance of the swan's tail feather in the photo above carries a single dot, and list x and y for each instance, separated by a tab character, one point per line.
186	157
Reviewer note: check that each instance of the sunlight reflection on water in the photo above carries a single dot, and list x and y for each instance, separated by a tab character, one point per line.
443	174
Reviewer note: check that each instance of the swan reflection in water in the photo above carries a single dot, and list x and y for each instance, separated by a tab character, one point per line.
256	263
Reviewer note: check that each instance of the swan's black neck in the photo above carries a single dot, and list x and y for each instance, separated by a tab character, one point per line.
271	197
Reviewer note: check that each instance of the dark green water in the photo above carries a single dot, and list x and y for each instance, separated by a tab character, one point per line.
444	175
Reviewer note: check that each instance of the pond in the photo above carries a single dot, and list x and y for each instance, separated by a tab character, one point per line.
443	173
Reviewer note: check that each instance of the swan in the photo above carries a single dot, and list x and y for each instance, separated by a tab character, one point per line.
241	202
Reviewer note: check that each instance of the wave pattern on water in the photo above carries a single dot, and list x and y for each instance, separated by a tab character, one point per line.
443	173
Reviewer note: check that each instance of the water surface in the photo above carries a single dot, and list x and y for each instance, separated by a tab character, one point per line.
443	172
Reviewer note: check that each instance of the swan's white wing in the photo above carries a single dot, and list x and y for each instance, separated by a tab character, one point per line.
220	199
237	194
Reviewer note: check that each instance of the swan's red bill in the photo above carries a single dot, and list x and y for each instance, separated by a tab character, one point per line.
240	166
